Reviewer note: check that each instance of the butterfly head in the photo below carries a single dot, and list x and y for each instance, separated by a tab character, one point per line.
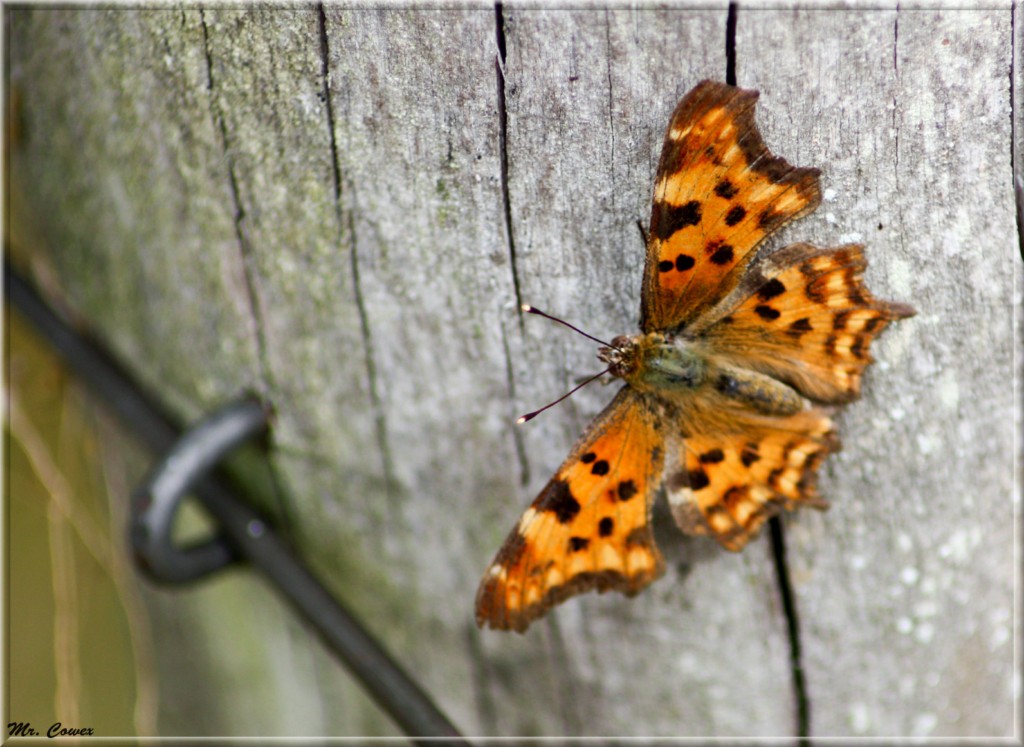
622	356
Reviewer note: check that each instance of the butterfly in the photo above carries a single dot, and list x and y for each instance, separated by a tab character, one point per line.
728	384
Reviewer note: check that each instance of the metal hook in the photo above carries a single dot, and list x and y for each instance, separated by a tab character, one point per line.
156	501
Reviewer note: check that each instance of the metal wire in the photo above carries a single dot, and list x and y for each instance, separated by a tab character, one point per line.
243	533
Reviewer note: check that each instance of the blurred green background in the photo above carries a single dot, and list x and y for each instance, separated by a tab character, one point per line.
79	645
79	642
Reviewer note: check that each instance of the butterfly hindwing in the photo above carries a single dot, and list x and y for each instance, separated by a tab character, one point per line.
589	527
718	193
728	485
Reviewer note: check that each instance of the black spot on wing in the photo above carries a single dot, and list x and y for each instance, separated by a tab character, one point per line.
578	543
712	457
720	254
605	526
698	479
771	289
627	489
767	312
667	219
558	499
735	215
725	189
684	262
797	328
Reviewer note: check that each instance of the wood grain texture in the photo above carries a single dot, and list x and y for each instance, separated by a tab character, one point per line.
343	210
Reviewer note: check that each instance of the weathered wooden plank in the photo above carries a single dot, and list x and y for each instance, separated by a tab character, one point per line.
220	216
905	585
128	189
415	113
383	325
136	179
269	102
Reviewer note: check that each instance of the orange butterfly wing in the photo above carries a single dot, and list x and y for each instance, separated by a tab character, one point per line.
589	528
807	319
718	193
728	485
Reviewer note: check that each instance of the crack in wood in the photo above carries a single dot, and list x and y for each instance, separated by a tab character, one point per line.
1015	167
244	246
348	221
896	39
499	67
730	44
380	418
285	514
800	695
321	24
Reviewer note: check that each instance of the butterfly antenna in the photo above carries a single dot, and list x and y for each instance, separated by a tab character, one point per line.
535	413
534	310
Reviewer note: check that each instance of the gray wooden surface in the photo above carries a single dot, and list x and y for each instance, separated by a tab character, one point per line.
224	216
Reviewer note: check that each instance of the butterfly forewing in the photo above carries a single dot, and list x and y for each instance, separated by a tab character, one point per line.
589	527
718	193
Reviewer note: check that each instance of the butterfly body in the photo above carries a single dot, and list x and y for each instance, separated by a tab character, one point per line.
686	373
728	385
